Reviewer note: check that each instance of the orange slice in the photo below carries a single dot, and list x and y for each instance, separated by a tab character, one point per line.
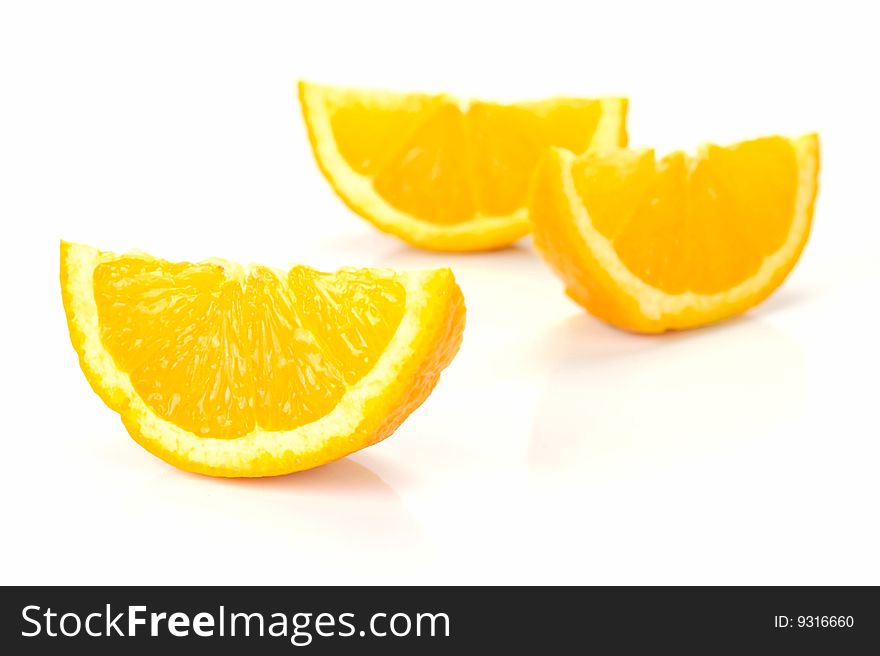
442	173
233	371
651	245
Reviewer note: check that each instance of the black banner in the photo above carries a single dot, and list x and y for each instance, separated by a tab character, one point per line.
442	620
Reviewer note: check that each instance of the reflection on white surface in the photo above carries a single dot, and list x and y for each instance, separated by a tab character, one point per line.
642	401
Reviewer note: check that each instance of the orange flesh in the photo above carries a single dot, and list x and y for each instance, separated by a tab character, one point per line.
429	158
368	136
264	351
677	226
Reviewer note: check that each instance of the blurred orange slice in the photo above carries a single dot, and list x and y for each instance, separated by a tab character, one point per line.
442	173
650	245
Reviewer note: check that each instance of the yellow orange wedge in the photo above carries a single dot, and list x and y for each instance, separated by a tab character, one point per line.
442	173
651	245
233	371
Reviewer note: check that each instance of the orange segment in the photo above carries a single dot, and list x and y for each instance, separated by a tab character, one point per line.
653	242
236	372
352	313
295	378
442	173
432	176
759	179
137	299
651	245
370	133
616	185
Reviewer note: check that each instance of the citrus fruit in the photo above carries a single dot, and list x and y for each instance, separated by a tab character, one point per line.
233	371
442	173
651	245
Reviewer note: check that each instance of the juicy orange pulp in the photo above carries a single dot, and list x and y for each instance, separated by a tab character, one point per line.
218	354
699	223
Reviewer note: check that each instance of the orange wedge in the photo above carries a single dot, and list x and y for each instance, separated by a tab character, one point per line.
651	245
233	371
442	173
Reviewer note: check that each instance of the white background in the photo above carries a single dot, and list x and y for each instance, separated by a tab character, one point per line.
555	449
